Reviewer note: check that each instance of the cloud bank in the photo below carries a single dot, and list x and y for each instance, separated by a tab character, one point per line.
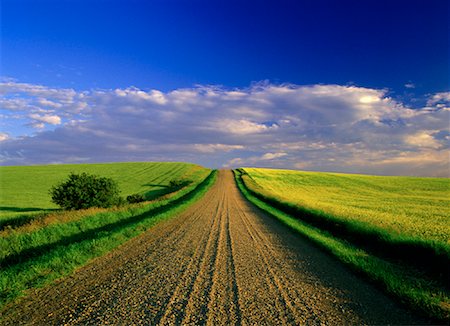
317	127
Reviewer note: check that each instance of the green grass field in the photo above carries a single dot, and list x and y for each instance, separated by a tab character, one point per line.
404	206
50	244
25	189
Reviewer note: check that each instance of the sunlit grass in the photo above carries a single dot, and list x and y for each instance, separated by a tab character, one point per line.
24	190
407	206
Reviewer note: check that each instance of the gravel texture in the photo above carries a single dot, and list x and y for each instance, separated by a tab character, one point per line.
220	262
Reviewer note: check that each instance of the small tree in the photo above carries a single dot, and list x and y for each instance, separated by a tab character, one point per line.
84	190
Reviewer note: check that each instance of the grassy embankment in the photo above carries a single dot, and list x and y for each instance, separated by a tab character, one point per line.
394	230
52	245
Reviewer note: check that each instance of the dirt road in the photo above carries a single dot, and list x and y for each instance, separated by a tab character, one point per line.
220	262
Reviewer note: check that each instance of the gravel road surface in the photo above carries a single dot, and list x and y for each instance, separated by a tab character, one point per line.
220	262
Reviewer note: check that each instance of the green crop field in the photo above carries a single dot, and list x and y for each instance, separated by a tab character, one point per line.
403	206
25	189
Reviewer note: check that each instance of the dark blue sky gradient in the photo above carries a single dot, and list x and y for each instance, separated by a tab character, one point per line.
172	44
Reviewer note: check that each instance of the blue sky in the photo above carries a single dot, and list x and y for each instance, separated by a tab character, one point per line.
61	61
172	44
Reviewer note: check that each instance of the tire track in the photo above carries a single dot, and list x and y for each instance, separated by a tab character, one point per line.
174	311
224	297
286	312
272	278
220	262
197	307
160	245
284	287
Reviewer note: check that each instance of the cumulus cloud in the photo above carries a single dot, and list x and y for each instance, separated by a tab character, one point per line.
46	118
271	156
441	99
424	140
316	127
135	94
42	106
240	127
212	148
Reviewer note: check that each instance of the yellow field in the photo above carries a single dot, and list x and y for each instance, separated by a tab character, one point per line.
405	206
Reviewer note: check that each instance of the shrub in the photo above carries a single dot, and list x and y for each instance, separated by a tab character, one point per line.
84	190
135	198
178	184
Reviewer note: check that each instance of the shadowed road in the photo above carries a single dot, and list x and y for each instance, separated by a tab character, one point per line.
219	262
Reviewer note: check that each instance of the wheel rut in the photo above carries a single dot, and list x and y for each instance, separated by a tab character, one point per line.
286	309
194	284
220	262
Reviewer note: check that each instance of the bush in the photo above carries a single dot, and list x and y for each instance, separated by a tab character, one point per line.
178	184
135	198
83	190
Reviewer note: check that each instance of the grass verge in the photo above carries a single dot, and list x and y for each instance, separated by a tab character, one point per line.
45	255
408	285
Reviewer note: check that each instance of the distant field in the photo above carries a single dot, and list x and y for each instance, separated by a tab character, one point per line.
404	206
25	189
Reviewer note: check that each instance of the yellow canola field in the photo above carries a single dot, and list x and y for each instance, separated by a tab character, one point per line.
405	206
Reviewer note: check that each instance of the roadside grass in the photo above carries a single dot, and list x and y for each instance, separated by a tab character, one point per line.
33	259
404	218
408	284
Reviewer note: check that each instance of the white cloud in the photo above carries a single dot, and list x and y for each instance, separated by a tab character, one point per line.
157	97
15	104
37	125
322	127
271	156
212	148
442	98
368	99
423	139
43	105
237	161
240	127
135	94
44	102
262	160
47	118
12	87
